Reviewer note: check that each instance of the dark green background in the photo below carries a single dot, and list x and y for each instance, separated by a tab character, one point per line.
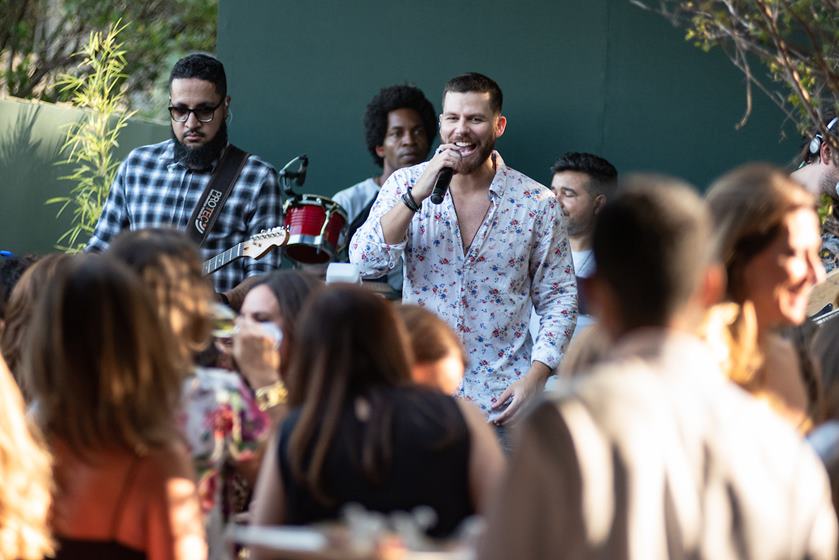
598	75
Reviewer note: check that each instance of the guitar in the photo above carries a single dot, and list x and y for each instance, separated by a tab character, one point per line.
255	247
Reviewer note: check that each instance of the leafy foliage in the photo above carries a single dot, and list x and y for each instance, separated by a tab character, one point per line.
89	143
38	39
797	42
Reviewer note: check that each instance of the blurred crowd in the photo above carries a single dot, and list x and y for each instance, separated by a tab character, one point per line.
612	367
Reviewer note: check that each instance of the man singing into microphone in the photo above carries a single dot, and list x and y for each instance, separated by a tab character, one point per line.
495	245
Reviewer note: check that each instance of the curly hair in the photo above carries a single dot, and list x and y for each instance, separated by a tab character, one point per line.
11	269
26	472
390	99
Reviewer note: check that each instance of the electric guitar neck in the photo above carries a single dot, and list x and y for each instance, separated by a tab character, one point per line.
255	247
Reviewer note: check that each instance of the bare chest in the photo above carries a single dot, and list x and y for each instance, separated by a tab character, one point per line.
471	210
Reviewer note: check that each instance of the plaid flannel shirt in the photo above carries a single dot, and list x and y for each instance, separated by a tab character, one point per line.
152	190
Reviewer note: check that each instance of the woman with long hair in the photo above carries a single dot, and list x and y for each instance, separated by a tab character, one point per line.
768	240
105	385
224	428
361	431
26	475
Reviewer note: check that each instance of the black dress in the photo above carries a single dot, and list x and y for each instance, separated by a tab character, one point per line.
429	464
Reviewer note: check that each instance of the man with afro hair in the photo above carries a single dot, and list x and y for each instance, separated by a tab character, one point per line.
400	125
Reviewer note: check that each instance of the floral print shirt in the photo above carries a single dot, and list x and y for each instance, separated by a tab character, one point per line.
519	256
222	425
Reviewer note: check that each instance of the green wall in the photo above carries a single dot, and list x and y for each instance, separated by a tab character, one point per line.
593	75
31	135
597	75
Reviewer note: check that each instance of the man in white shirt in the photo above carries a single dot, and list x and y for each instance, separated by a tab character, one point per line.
655	454
582	183
493	247
399	126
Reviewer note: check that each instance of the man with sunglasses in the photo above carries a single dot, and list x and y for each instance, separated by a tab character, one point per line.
160	185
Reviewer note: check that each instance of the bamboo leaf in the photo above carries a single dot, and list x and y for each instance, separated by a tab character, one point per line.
89	144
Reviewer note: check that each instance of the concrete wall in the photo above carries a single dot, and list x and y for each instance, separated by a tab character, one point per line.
31	135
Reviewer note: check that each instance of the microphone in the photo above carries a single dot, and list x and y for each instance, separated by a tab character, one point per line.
301	174
289	177
441	185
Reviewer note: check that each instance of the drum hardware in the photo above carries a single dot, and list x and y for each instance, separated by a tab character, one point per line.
289	178
326	219
315	223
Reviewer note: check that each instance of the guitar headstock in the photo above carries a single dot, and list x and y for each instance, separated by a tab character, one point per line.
264	241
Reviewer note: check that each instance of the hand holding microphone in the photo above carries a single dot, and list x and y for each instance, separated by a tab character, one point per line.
441	185
438	175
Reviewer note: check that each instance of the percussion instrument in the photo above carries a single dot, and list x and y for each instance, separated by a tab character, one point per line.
315	224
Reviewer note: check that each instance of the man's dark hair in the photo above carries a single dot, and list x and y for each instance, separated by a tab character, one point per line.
203	67
474	82
604	176
652	244
390	99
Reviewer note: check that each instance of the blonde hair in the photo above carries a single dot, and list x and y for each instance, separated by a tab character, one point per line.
26	475
748	206
100	363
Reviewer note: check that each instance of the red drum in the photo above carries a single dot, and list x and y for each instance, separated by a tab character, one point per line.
314	225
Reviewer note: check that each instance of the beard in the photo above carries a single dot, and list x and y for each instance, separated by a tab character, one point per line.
201	157
477	159
575	228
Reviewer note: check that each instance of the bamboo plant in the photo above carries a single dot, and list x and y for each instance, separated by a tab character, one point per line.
90	143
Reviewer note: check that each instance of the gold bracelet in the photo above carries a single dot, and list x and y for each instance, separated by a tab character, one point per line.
271	395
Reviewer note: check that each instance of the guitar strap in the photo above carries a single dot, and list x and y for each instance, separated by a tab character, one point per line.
361	218
215	194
